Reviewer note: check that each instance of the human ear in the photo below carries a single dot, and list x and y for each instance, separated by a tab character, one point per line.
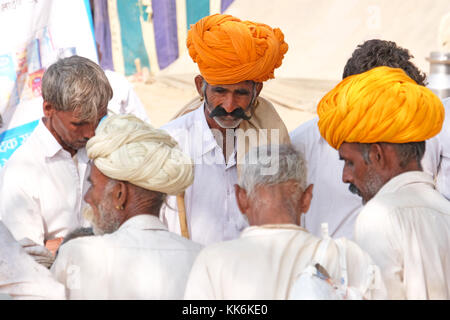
48	108
258	87
306	198
198	84
377	155
241	198
120	194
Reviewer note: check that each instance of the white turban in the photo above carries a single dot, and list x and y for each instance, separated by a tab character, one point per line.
129	149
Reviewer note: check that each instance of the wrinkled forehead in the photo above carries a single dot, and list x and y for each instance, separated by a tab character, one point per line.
96	176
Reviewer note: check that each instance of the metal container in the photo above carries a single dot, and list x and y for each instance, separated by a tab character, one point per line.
439	77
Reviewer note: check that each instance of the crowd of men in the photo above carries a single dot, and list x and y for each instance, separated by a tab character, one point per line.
223	202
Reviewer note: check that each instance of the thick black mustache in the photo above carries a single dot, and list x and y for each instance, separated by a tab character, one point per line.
354	189
237	113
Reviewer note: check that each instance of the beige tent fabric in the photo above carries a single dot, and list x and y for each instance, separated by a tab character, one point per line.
264	117
444	33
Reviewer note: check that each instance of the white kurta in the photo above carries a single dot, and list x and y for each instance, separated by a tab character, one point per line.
42	188
406	230
211	209
141	260
20	276
264	262
332	202
124	100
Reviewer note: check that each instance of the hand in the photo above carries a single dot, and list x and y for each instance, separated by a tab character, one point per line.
39	253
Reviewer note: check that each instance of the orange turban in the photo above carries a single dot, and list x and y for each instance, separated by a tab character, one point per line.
228	50
380	105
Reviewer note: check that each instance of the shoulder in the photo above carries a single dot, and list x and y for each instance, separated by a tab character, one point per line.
176	126
305	134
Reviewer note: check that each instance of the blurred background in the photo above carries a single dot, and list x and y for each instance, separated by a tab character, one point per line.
144	41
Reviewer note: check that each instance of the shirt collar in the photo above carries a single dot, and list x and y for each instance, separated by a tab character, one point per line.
253	230
144	222
50	146
404	179
208	140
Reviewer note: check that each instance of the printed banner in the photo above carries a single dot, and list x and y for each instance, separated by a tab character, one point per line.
35	33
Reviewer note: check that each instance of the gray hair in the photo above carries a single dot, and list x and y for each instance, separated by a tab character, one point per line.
77	84
406	152
291	166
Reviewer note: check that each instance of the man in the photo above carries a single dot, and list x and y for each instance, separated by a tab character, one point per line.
42	184
269	255
234	58
332	203
133	255
379	121
20	276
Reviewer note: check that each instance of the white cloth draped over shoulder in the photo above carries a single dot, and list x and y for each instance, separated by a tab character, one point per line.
265	261
406	230
20	276
141	260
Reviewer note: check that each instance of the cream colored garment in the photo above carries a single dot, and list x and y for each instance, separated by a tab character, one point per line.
141	260
20	276
264	117
264	262
406	230
126	148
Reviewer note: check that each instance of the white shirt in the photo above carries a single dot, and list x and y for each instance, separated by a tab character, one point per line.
141	260
406	230
436	160
211	210
20	276
265	261
332	202
124	100
41	188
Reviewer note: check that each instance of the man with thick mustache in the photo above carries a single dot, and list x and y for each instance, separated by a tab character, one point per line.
43	183
234	58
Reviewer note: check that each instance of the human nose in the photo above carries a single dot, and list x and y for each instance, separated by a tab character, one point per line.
229	103
346	175
89	131
87	196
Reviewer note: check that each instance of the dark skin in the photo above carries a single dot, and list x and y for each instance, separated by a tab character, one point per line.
127	199
230	97
384	163
282	203
69	130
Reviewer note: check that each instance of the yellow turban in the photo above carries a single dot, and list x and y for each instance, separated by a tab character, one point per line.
128	149
228	50
380	105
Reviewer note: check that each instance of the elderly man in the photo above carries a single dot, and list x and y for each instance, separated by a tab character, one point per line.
332	203
20	276
379	121
269	255
43	183
234	58
133	256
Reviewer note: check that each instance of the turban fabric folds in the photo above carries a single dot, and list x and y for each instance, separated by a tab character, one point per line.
228	50
129	149
380	105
